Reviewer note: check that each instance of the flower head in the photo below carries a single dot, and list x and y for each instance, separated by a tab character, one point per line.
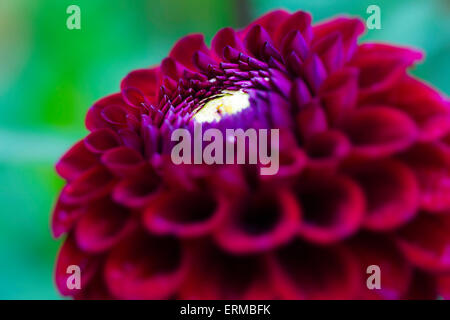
363	174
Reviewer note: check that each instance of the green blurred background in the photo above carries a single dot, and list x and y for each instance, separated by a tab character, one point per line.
49	76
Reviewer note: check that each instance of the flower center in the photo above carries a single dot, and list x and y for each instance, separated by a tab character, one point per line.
226	103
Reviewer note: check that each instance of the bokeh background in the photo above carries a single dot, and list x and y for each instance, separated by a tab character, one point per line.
50	76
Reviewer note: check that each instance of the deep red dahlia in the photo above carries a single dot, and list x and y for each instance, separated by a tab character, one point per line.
364	175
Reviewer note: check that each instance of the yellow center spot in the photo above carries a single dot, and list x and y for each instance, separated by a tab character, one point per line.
228	103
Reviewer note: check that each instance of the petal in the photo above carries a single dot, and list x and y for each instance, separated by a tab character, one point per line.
422	287
184	214
156	274
426	242
314	72
299	21
101	226
94	118
379	130
75	162
311	119
339	93
255	39
411	95
215	274
396	272
349	28
327	148
70	255
332	205
184	49
407	55
137	190
261	222
304	271
93	184
123	161
331	52
64	217
431	165
378	74
270	22
226	37
391	192
101	140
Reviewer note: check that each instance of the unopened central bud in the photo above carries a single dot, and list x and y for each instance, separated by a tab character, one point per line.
227	103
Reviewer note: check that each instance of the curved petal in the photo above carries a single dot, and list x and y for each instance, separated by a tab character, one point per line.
184	214
425	241
298	21
339	93
396	272
349	29
101	140
215	274
431	165
332	205
101	226
327	147
263	221
70	255
226	37
157	274
270	22
76	161
93	184
303	271
391	191
123	161
94	118
64	216
184	49
379	130
137	190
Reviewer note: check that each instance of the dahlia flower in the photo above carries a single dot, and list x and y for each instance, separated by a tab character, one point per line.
363	178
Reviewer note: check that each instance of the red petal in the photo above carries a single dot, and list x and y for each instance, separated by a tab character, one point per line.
426	242
226	37
64	217
300	21
156	274
93	184
184	214
214	274
184	49
270	22
303	271
431	164
411	95
379	130
331	52
396	272
94	118
102	225
101	140
327	148
333	206
349	28
391	191
76	161
261	222
71	255
123	161
422	287
137	190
